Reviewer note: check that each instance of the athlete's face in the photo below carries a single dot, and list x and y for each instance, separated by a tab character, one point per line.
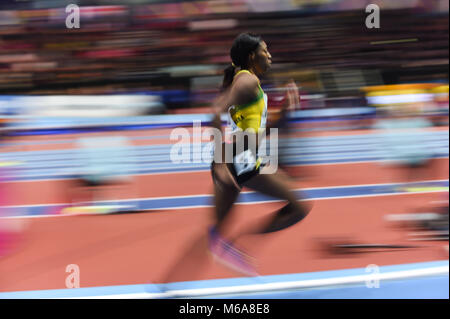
262	59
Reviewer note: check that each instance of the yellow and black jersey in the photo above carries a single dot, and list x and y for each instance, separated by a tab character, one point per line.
251	115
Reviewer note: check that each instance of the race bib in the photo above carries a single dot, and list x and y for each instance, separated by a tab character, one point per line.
244	162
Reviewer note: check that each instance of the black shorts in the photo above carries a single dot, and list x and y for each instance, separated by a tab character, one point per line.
247	173
240	179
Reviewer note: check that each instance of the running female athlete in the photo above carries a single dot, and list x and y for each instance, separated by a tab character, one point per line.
246	103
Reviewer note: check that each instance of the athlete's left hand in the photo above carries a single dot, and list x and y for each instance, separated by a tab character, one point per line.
293	96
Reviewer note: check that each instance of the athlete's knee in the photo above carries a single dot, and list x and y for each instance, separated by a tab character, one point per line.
298	207
295	211
303	207
298	211
287	216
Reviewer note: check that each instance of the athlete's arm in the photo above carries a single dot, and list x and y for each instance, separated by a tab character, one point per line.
243	90
291	102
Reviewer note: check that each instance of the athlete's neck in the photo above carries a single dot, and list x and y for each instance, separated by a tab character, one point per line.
254	72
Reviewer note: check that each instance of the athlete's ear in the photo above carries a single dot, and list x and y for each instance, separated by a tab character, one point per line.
251	57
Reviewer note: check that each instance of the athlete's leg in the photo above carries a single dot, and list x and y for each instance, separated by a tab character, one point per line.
274	185
226	191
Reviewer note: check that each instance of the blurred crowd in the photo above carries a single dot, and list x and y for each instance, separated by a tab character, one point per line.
180	48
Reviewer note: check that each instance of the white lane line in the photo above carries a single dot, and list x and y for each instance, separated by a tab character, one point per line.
280	286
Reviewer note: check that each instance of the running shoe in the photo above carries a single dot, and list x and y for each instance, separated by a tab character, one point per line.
227	254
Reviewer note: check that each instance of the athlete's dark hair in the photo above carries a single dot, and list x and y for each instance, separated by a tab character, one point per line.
243	45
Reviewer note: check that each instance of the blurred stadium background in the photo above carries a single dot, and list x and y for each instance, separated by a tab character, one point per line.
98	102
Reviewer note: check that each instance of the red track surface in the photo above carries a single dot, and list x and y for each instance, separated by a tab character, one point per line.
171	245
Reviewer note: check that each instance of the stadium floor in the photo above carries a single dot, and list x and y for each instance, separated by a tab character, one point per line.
165	242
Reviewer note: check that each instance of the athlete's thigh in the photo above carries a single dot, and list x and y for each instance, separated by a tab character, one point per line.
271	184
